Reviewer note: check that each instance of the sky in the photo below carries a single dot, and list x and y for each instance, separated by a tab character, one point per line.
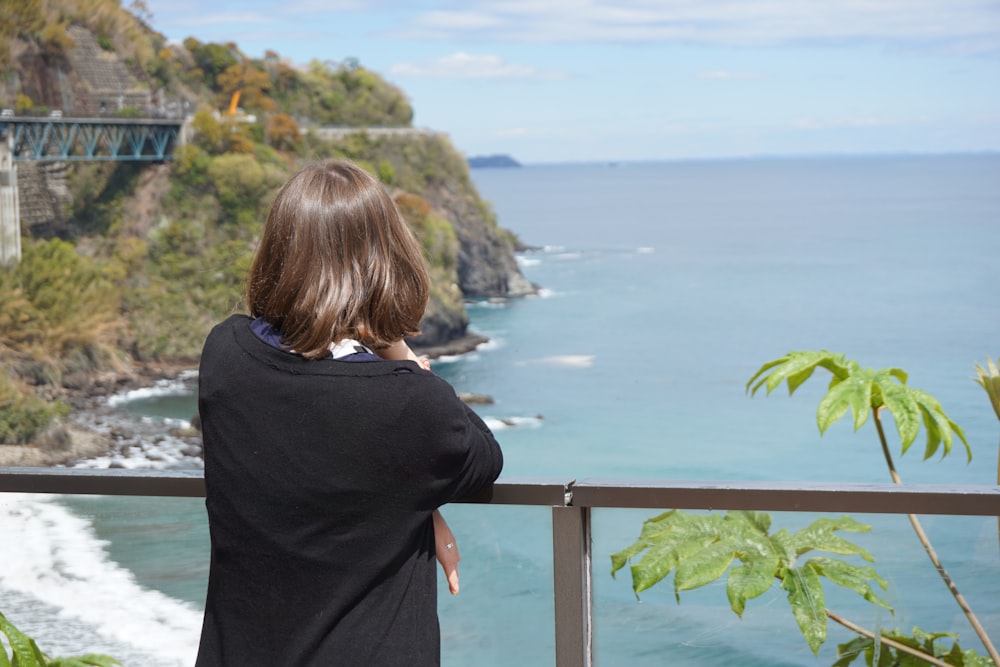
628	80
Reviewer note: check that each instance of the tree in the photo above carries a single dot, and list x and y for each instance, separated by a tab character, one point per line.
253	85
700	549
283	132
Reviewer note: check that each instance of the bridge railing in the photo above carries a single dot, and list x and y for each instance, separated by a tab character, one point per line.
571	504
33	139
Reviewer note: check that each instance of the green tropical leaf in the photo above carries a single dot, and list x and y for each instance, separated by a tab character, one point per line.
854	392
760	371
24	651
649	527
820	536
853	577
796	380
699	549
710	564
754	577
672	537
939	426
905	410
805	595
924	642
785	546
796	368
851	651
899	374
760	521
658	561
89	660
989	379
862	390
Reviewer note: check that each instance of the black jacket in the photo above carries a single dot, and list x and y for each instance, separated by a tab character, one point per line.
321	478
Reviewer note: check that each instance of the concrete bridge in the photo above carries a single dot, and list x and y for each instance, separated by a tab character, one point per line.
58	139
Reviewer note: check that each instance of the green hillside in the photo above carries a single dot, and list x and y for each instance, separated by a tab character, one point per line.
129	263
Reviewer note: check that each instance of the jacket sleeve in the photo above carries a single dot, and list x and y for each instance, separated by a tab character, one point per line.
466	457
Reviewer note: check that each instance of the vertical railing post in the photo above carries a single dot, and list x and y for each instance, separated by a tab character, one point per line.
572	586
10	213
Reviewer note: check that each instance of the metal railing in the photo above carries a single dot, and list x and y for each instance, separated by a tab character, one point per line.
571	502
74	139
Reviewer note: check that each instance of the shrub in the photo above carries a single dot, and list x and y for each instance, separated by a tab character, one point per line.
239	181
22	414
57	305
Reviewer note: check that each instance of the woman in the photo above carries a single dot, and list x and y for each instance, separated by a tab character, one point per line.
328	447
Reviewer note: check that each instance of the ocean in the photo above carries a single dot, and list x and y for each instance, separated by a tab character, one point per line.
663	287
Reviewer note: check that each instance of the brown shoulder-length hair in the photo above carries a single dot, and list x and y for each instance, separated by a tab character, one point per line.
336	260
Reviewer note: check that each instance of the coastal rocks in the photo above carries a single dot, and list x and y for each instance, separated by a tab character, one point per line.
60	446
475	399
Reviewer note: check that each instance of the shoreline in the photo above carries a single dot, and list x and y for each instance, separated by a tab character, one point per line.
93	432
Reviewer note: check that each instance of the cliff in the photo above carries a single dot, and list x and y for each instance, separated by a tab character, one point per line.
86	79
158	252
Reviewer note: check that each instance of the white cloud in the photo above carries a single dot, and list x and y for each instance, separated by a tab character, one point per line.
461	65
961	25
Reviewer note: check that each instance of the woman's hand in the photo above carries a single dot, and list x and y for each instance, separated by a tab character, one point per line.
447	551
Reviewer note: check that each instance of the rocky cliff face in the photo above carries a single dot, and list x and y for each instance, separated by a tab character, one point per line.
91	81
486	265
83	80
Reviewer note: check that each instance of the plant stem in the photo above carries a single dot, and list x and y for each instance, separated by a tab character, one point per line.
885	640
924	540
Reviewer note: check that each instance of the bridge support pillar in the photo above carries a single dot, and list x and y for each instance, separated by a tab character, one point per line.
10	212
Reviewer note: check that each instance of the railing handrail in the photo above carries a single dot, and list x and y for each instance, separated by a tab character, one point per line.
571	504
954	499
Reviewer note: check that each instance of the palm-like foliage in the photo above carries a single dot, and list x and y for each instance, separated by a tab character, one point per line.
864	391
989	379
25	652
925	642
700	548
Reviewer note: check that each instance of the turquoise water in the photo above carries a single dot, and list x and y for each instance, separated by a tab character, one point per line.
665	286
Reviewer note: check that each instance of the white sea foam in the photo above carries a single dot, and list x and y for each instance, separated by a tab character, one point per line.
452	358
564	360
60	562
566	256
501	423
524	260
544	293
495	302
645	250
492	344
179	386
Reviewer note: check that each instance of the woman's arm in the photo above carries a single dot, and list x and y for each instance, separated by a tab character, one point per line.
447	551
445	546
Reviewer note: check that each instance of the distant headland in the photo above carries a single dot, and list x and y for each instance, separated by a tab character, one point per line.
487	161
